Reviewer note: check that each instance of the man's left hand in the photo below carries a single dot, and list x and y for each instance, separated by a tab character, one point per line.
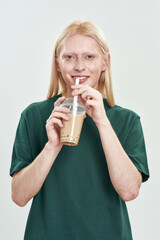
93	100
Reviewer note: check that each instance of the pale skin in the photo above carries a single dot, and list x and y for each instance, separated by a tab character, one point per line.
79	56
125	177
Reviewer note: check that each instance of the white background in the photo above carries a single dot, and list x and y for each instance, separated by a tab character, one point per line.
29	30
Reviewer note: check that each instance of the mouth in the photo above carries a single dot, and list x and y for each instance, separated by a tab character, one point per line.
81	78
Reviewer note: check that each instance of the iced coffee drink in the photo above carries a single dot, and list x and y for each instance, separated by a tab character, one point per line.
71	130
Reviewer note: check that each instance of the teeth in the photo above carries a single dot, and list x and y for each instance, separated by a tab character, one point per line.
81	77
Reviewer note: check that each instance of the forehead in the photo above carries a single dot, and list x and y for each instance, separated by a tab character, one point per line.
79	43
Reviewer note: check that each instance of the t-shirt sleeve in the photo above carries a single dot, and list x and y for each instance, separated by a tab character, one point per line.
21	154
135	148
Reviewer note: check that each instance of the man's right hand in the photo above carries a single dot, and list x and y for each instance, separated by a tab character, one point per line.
54	122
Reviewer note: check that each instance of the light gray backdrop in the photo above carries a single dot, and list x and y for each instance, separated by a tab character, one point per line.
28	32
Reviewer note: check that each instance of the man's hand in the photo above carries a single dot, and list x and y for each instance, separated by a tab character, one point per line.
93	100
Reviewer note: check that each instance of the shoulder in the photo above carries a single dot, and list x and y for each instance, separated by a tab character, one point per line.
122	111
122	115
41	106
122	120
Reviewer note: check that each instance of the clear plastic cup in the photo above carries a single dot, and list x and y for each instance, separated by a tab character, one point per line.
71	130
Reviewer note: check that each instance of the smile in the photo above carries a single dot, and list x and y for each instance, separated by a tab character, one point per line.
81	78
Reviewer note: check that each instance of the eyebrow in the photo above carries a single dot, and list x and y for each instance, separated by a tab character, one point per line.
84	53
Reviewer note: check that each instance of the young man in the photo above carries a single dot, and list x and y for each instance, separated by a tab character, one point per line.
79	192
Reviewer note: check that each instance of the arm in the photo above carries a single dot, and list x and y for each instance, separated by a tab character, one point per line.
125	177
27	182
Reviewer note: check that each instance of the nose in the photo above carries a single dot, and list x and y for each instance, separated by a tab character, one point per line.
79	65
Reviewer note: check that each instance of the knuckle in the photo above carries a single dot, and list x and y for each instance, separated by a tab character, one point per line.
55	108
53	114
59	121
66	116
64	109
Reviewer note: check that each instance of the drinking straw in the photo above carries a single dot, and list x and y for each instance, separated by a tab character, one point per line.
75	98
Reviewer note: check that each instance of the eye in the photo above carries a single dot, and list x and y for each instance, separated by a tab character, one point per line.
89	56
69	57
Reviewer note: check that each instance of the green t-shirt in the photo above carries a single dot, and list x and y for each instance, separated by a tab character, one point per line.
77	200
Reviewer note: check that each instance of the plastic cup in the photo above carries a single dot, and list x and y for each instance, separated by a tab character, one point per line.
71	130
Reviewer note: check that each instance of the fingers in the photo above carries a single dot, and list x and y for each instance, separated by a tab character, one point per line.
57	108
86	96
78	89
50	123
59	115
59	112
61	109
85	92
59	101
92	103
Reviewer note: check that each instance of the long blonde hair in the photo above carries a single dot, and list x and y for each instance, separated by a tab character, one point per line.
86	28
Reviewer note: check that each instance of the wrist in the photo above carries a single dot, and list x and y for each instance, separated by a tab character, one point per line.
103	123
52	148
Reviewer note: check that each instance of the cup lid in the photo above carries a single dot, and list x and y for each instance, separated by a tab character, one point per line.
79	103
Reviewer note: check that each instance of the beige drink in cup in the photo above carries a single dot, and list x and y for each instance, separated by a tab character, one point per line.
71	130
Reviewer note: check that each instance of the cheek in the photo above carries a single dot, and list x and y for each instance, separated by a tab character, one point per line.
66	67
94	68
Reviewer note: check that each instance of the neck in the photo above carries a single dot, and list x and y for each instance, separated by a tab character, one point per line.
68	93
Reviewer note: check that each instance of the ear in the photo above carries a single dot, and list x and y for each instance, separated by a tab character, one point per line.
106	62
57	65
